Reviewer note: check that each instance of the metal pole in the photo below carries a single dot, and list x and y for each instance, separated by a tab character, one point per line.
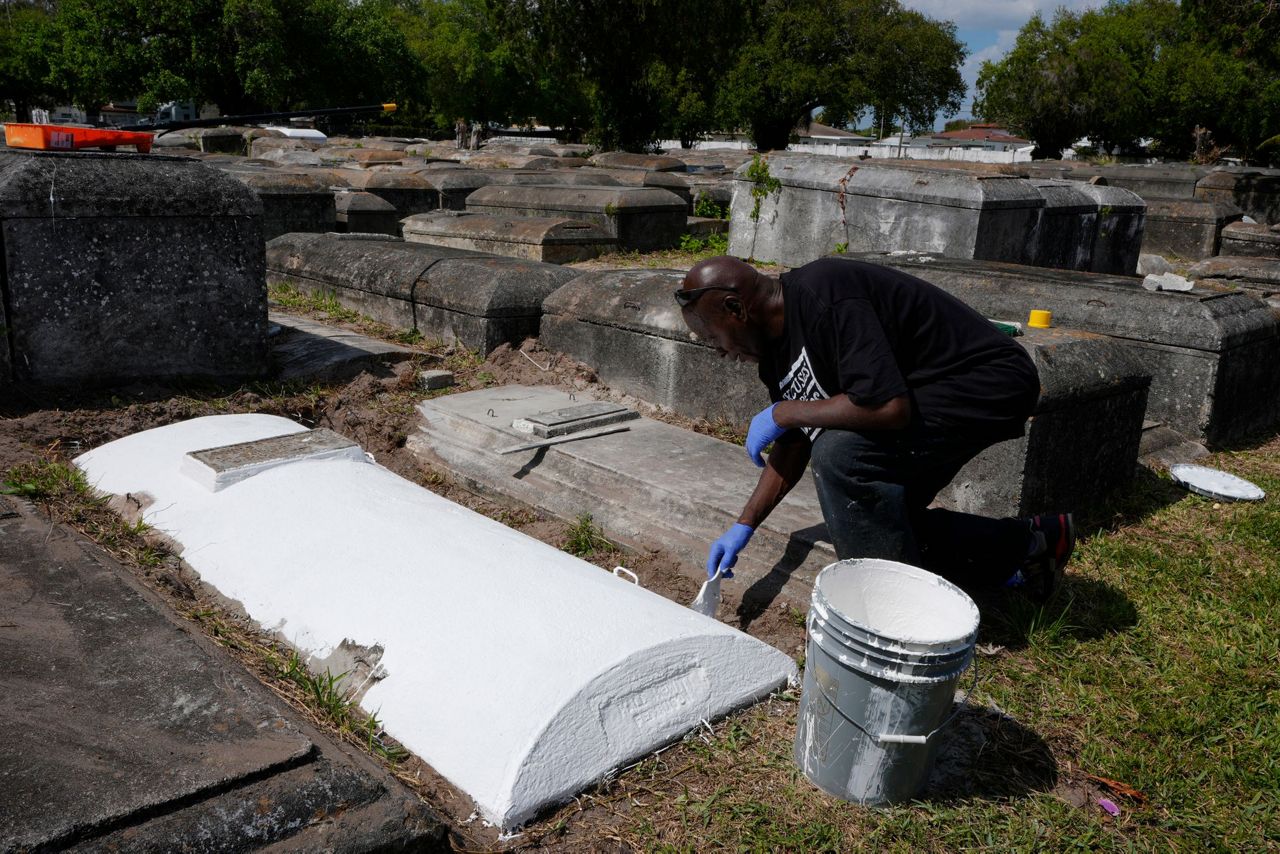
261	117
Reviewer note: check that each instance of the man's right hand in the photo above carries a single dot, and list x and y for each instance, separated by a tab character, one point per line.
724	551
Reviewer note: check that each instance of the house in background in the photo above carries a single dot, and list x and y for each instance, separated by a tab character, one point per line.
820	134
989	137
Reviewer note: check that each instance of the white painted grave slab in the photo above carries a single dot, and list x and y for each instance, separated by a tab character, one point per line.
520	673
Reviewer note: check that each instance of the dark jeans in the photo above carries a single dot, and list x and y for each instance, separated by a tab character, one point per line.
875	490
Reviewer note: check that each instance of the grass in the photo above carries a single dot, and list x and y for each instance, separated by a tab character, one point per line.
326	696
58	483
704	247
584	539
1157	667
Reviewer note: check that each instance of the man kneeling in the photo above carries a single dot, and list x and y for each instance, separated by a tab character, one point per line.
888	385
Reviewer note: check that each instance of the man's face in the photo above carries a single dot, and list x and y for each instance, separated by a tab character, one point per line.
716	317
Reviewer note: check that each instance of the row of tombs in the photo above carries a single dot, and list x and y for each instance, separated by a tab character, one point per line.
123	268
554	203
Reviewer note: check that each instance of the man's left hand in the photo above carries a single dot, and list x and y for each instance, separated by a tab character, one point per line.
764	431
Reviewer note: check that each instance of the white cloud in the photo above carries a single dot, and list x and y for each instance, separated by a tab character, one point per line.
1004	41
994	14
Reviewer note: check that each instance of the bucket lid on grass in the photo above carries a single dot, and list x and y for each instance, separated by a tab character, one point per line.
1216	484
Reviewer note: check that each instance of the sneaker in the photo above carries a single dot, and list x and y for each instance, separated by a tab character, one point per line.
1054	539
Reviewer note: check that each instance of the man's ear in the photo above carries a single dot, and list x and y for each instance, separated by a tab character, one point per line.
733	306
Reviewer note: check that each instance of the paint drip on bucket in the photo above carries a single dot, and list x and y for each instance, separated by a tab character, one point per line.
887	645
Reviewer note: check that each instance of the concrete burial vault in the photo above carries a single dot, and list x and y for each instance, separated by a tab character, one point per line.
520	673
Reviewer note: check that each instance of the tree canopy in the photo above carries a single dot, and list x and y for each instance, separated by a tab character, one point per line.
621	73
1142	69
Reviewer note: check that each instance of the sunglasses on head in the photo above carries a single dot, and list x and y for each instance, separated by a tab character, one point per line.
687	298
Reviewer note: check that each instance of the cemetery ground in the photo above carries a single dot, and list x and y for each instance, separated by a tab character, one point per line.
1149	683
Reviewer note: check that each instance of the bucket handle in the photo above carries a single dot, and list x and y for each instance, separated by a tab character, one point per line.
899	738
622	571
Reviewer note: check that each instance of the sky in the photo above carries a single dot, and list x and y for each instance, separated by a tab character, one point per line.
989	28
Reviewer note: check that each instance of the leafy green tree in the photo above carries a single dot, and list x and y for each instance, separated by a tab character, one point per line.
843	55
243	55
646	67
915	72
1229	78
1032	89
24	68
1142	68
471	68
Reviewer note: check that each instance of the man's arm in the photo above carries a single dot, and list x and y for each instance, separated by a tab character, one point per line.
841	413
782	472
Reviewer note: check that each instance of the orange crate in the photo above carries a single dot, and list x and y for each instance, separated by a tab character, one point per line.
63	138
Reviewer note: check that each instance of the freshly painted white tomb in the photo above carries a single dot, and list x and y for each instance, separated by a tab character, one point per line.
520	673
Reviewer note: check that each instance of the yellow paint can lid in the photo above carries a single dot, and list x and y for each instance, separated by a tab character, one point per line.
1040	319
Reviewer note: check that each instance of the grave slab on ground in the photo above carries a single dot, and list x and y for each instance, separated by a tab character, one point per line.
1186	228
450	294
641	162
1209	353
1150	181
122	731
652	484
554	240
124	267
1082	442
674	182
642	218
825	203
520	673
305	349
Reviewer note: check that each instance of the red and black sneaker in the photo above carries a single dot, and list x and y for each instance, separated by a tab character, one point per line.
1054	540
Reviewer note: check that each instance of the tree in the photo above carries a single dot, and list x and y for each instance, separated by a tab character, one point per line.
243	55
472	68
915	73
645	70
24	67
1142	68
845	55
1032	89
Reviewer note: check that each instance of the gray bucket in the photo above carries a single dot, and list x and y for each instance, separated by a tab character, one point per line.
887	645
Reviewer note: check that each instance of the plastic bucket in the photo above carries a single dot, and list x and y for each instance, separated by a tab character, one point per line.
887	645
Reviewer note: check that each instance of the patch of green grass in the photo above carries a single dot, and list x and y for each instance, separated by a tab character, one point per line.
705	206
584	538
408	336
59	485
46	480
326	695
704	247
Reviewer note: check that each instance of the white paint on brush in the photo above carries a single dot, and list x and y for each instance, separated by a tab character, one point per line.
520	673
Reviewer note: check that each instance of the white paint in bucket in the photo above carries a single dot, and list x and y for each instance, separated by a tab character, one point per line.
899	602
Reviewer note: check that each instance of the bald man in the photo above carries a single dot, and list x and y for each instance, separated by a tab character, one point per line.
887	386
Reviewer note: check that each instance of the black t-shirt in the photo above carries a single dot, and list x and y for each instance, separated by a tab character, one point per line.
875	333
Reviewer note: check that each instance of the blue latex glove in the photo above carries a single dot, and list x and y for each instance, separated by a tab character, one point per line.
724	551
764	431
